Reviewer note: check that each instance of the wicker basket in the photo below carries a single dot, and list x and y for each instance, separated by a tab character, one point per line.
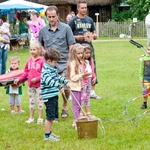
87	128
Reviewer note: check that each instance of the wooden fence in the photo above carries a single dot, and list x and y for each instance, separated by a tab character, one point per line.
114	29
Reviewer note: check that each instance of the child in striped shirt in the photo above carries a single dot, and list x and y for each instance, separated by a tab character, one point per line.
51	83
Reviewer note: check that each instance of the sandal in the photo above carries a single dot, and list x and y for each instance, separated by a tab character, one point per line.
64	112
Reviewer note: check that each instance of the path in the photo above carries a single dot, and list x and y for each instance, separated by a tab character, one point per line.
118	40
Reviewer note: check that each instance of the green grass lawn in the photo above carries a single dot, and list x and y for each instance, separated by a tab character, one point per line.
117	72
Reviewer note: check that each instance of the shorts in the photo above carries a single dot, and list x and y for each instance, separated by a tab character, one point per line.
51	108
146	89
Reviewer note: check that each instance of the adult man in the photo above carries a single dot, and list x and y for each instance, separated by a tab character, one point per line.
58	35
82	24
147	23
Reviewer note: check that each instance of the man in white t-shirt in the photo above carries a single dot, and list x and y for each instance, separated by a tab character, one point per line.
147	23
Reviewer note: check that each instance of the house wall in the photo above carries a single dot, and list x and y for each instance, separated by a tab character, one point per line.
104	12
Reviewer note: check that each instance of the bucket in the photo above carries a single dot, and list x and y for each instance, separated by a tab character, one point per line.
87	128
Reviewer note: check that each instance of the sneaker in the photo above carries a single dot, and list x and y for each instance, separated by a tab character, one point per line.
74	125
51	138
54	135
20	112
94	96
30	120
40	121
13	112
144	106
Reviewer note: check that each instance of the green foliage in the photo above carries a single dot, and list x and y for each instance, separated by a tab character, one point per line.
120	15
138	9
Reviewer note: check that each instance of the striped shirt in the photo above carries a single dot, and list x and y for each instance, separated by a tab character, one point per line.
51	82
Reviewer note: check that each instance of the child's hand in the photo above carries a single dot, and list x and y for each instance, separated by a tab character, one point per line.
16	81
68	85
85	74
62	91
93	81
33	80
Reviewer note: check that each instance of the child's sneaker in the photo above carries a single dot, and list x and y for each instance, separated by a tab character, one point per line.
144	106
51	138
13	112
54	135
20	111
40	121
30	120
74	125
94	96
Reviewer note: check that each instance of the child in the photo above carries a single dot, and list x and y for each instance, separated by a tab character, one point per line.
32	72
144	76
4	47
91	79
14	92
76	75
50	85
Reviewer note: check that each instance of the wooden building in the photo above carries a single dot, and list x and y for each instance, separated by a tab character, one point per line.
103	7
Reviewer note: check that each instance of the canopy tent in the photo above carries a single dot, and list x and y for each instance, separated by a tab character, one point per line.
8	8
9	5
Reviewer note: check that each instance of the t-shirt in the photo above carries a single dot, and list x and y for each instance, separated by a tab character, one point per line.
80	26
59	39
6	37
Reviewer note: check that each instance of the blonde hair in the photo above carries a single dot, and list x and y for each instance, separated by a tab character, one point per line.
36	44
13	58
73	57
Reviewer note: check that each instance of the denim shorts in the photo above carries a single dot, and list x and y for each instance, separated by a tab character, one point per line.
51	108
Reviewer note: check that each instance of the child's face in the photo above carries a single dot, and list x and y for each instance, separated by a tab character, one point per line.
148	50
79	54
87	54
52	63
14	64
34	52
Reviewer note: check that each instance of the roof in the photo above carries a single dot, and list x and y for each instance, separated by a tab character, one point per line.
74	2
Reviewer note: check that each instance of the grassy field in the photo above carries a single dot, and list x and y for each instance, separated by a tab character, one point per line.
117	71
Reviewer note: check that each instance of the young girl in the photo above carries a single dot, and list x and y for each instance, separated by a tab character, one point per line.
32	72
76	75
14	91
91	79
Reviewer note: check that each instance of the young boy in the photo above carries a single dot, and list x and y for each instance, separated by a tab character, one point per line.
14	91
144	76
50	85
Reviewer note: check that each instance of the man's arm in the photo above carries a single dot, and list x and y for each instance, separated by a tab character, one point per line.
70	46
4	41
5	32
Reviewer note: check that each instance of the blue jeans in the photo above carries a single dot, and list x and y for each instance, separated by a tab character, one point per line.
3	60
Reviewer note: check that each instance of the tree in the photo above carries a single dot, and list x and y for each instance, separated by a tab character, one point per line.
139	8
